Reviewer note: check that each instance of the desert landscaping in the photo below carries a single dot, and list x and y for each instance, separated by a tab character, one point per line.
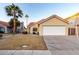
22	42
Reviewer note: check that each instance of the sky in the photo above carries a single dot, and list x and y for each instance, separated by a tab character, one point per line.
38	11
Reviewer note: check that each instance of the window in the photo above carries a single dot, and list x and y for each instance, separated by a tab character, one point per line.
34	29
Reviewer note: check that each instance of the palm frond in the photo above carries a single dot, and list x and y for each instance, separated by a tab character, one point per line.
26	15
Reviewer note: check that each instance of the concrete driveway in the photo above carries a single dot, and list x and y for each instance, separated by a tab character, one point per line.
62	45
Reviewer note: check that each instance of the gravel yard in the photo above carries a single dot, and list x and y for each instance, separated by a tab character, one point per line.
22	42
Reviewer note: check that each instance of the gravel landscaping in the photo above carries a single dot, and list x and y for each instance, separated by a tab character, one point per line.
22	42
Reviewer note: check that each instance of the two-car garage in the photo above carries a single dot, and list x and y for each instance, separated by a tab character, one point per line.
53	25
54	30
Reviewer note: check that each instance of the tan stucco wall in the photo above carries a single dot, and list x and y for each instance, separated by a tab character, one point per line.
53	22
76	19
34	26
27	29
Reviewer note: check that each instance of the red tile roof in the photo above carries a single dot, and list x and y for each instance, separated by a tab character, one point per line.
4	23
41	21
31	24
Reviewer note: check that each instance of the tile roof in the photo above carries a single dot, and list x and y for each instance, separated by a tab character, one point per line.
53	16
31	24
76	14
44	20
4	23
66	19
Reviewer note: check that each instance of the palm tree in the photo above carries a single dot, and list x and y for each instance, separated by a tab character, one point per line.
11	23
26	19
15	12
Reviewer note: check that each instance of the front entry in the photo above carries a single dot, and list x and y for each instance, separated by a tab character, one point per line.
71	31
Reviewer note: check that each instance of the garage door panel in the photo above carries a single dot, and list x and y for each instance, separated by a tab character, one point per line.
53	30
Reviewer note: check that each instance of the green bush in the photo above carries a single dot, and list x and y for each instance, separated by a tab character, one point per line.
25	32
1	31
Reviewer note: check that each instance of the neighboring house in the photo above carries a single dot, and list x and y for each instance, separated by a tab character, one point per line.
53	25
4	27
73	27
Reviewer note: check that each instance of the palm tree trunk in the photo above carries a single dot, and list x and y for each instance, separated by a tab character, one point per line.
14	27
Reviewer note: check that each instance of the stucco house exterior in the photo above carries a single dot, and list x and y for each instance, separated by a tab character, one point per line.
73	27
4	27
53	25
32	27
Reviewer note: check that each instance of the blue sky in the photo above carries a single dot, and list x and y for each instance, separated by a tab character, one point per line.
38	11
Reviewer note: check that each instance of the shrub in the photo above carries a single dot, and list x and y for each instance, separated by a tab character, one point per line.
1	36
1	31
34	32
24	32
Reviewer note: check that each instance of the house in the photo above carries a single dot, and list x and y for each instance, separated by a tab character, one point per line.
4	27
73	27
32	27
53	25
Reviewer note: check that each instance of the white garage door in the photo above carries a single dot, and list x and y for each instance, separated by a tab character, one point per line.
53	30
